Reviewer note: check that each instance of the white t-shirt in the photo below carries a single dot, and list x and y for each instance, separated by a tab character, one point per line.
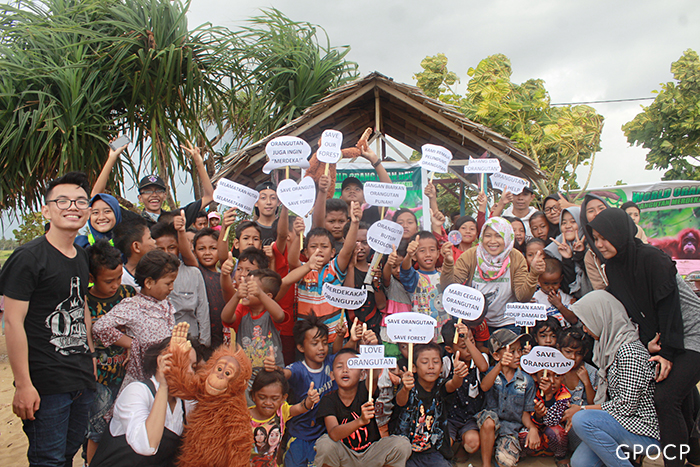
566	299
128	279
526	220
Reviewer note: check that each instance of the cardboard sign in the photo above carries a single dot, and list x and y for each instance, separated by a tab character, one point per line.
329	150
298	198
526	314
503	182
384	234
416	328
348	298
463	302
389	195
235	195
435	158
372	350
287	151
545	358
371	362
483	166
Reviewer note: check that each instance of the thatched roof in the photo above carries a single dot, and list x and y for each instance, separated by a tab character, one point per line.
404	113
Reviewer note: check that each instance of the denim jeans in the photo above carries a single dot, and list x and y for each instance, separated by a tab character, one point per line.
59	428
601	437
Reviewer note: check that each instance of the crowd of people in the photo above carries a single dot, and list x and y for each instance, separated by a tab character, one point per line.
89	320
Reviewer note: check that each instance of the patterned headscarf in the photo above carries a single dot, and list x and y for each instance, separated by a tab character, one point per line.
492	267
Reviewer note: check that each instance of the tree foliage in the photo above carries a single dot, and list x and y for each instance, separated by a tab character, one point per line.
73	74
670	127
32	226
558	139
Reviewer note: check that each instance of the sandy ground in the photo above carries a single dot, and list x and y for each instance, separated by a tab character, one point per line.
13	443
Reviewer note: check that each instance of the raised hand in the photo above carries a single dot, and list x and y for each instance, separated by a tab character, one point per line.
253	289
437	218
481	201
369	337
270	362
461	370
564	248
506	198
227	267
393	258
324	183
115	153
448	257
229	218
243	288
367	413
164	362
538	265
430	191
312	397
178	341
180	221
341	329
508	358
355	212
356	330
407	379
298	226
267	249
412	247
578	244
540	409
316	260
193	151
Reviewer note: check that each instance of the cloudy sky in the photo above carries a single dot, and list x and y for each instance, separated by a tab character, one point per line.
584	50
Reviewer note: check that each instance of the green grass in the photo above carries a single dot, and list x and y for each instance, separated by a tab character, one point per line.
4	254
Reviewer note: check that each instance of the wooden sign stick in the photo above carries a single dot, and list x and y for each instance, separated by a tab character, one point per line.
325	172
410	357
454	341
371	372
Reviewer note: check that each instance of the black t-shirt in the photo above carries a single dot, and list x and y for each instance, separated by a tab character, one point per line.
371	215
468	399
55	287
332	405
191	211
423	420
268	234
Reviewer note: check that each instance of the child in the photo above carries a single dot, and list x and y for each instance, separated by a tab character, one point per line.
106	291
133	239
387	383
546	332
271	413
206	251
548	294
200	221
550	403
348	413
582	379
519	233
539	226
312	372
321	268
398	299
189	295
143	320
266	211
531	248
469	399
105	214
420	406
408	220
510	395
214	220
423	283
255	317
247	235
369	312
632	210
335	220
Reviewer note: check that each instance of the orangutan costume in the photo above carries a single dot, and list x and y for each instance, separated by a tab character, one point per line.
218	432
317	168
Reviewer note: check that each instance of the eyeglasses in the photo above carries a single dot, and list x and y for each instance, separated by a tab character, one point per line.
65	203
552	209
159	191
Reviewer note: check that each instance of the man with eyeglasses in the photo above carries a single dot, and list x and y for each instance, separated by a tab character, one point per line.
48	339
153	190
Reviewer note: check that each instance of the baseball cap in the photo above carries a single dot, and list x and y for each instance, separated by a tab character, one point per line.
502	338
527	189
351	181
149	180
268	185
214	214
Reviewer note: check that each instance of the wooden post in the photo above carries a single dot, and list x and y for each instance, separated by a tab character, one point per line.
454	341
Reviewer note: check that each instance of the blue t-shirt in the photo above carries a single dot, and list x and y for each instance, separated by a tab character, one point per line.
306	426
509	399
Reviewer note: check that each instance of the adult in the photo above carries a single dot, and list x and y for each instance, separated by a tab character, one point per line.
266	212
664	307
552	209
521	208
48	338
352	188
152	188
496	269
569	248
631	208
148	421
623	412
105	214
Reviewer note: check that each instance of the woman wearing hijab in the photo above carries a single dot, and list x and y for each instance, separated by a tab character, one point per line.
569	248
105	213
623	412
496	269
664	307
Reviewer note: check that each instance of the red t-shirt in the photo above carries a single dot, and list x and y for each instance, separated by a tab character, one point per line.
286	302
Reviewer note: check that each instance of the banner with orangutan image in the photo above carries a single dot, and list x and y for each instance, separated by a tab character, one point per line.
670	216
